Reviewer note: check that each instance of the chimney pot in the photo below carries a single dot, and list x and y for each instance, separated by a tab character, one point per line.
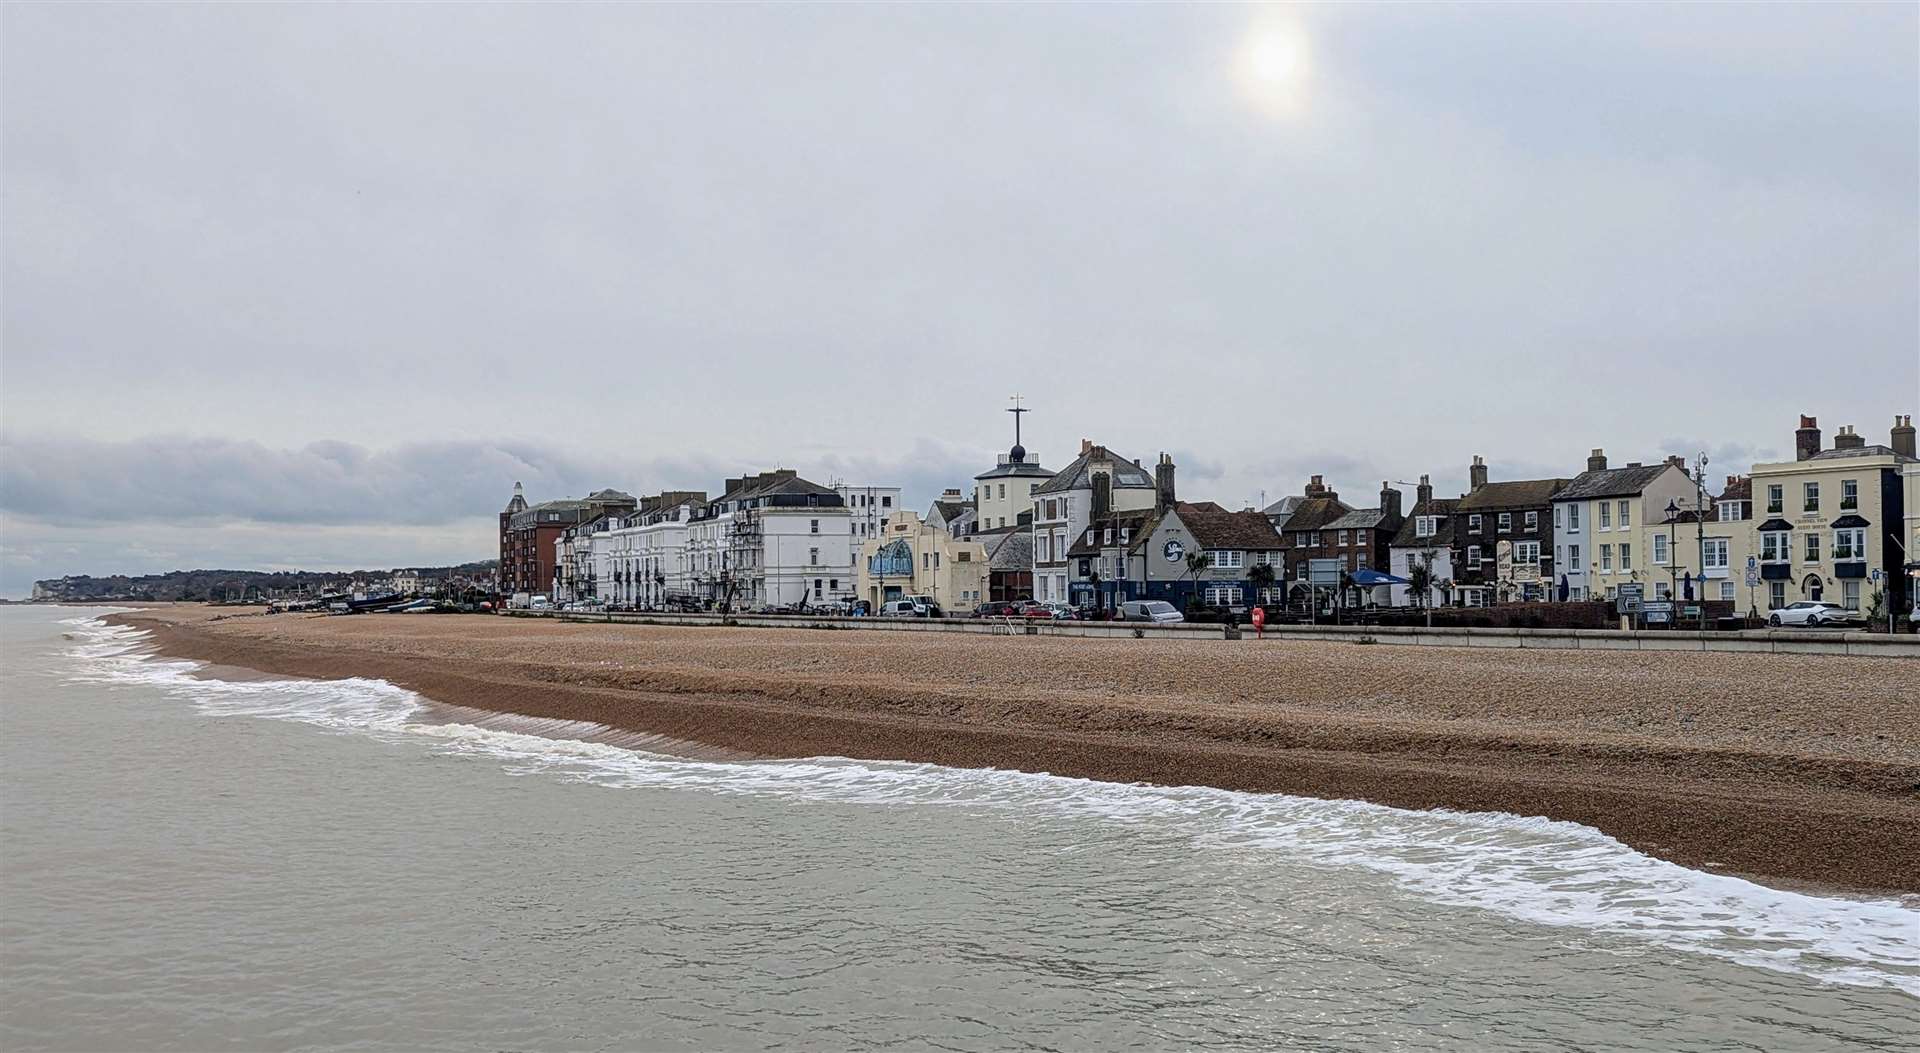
1085	446
1597	460
1902	438
1806	441
1476	474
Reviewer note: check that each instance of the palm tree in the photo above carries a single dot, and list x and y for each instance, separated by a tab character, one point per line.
1261	575
1197	562
1420	582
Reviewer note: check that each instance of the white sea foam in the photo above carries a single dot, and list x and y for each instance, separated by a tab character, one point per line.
1537	870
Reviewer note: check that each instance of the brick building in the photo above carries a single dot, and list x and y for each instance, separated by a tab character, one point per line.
528	536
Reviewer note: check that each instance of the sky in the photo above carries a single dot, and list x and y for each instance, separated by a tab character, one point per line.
311	286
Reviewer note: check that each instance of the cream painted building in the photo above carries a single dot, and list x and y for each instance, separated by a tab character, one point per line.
1611	528
912	557
1831	521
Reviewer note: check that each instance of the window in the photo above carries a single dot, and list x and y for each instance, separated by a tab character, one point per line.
1573	519
813	557
1774	547
1776	498
1051	510
1223	595
1606	518
816	526
1108	536
1813	548
1850	594
887	502
1506	522
1473	556
1124	531
1559	517
1849	493
1225	558
1343	539
1533	521
1526	552
1729	511
1811	493
1716	554
1659	549
834	584
1726	590
1626	517
1560	557
1662	591
816	588
1606	559
1031	487
1849	543
1573	557
1423	526
1776	595
1473	524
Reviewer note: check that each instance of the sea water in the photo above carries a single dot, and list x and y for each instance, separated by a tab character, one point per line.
195	863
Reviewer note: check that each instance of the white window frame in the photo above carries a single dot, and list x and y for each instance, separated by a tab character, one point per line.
1505	523
1662	550
1606	559
1226	558
1715	556
1473	524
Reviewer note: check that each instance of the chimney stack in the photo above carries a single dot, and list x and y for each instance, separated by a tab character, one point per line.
1677	461
1424	493
1903	436
1597	460
1316	488
1806	441
1477	474
1102	495
1848	439
1389	500
1086	446
1163	483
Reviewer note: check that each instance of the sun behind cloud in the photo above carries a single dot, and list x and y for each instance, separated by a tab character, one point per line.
1272	64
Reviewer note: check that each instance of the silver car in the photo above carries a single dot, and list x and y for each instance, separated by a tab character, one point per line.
1157	611
1813	612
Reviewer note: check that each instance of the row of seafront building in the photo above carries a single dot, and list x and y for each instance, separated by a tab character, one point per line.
1834	523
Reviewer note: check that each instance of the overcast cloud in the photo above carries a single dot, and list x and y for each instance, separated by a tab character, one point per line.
316	284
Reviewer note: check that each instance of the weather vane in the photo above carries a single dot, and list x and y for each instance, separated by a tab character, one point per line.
1017	410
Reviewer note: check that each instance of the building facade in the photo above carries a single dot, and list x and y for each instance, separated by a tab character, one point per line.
916	558
772	539
1426	538
1831	518
868	508
1097	483
529	536
1611	528
1505	536
1234	543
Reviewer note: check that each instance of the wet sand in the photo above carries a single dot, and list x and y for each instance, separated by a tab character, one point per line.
1787	768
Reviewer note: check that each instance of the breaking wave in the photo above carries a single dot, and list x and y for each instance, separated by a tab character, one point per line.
1533	869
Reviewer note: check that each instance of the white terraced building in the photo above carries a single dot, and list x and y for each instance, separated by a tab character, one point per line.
771	539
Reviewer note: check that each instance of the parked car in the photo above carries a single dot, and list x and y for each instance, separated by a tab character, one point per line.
997	609
1059	611
903	609
1813	612
1157	611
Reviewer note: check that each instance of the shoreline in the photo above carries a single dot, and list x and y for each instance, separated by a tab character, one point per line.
1831	821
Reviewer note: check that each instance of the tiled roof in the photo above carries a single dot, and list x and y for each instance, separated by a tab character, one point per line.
1008	549
1611	482
1860	451
1312	513
1442	535
1514	493
1079	474
1357	519
1282	508
1215	527
1739	489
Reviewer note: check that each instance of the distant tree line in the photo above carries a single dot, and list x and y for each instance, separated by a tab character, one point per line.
233	585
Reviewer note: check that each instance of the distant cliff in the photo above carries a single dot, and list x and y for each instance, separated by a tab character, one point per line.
224	585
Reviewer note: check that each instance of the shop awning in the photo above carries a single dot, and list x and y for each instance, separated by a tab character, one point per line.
1367	579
